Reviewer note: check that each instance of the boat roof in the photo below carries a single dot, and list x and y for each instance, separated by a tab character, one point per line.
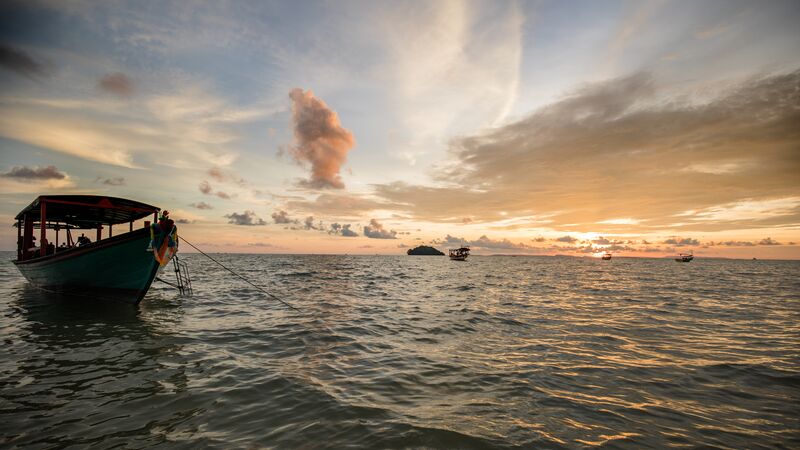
87	210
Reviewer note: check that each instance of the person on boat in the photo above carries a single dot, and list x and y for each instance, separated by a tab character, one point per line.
83	240
166	226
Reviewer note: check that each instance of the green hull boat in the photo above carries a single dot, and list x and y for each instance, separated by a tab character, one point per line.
114	268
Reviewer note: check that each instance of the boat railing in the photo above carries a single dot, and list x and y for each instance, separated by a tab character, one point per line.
182	276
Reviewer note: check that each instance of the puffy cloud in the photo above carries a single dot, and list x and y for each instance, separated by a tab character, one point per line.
116	83
245	218
25	173
118	181
201	205
375	230
347	232
627	148
281	217
343	230
681	242
768	241
19	61
320	140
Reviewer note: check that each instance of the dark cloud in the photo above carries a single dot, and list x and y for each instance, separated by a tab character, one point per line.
245	218
281	217
19	61
117	84
224	195
320	140
184	221
201	205
375	230
567	239
308	223
34	173
768	241
681	242
628	148
118	181
343	230
483	242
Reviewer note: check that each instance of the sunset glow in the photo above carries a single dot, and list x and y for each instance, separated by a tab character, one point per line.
642	129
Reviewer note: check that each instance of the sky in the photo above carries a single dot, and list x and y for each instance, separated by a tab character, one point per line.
641	128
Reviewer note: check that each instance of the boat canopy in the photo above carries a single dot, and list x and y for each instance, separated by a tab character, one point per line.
86	211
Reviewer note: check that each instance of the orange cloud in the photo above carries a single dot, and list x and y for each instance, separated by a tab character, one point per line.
320	140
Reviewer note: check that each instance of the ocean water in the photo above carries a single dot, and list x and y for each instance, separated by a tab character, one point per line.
413	352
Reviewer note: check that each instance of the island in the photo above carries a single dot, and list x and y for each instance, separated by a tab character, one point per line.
424	250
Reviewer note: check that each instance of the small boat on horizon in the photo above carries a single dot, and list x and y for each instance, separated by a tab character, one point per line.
606	256
685	257
459	254
117	267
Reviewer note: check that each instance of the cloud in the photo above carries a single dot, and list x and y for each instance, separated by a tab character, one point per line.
375	230
201	205
483	242
116	83
25	173
281	217
768	241
308	224
224	176
617	149
339	204
320	140
184	221
205	188
681	242
246	218
19	61
567	239
343	230
118	181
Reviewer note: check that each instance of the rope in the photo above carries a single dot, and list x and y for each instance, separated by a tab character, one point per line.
236	274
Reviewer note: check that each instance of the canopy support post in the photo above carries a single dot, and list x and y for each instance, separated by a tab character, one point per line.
19	240
99	233
43	226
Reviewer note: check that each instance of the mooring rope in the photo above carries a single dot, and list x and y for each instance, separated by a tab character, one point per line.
238	275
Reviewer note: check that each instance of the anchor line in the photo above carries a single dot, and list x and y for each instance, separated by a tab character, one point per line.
238	275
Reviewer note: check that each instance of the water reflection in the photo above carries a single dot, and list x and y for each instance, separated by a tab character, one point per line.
85	371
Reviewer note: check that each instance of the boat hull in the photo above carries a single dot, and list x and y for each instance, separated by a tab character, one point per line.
117	268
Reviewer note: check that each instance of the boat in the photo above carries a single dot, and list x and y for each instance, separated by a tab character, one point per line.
606	256
115	268
684	257
459	254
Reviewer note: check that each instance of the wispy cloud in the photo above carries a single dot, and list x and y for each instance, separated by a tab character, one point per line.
201	205
613	149
21	62
116	181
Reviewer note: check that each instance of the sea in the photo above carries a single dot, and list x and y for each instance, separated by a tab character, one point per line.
411	352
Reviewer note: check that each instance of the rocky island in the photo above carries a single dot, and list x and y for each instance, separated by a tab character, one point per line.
424	250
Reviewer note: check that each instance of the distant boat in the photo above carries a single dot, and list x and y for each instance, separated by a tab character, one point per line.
684	257
606	256
459	254
117	267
